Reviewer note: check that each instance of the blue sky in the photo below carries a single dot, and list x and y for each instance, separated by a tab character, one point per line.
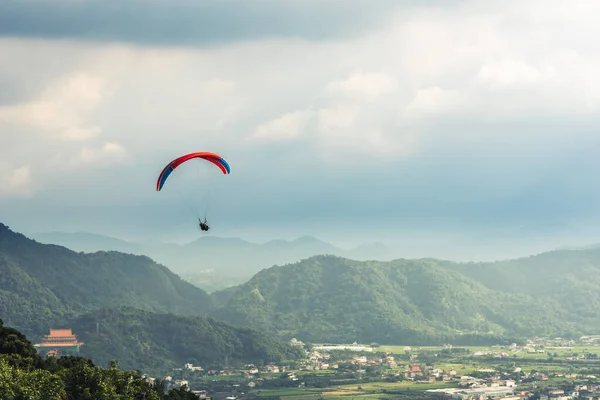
465	129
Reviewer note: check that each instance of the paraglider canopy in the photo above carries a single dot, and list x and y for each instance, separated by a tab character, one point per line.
212	157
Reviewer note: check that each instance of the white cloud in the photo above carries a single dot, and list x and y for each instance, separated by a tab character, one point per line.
16	182
340	117
107	153
365	86
288	126
514	73
435	100
61	108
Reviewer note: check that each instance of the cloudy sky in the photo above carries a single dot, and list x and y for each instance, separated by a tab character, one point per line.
456	128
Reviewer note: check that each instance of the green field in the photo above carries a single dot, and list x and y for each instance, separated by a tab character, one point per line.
372	390
400	349
560	352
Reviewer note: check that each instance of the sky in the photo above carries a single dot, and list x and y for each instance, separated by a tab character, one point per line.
454	128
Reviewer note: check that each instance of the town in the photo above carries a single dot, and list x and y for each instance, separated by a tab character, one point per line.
542	368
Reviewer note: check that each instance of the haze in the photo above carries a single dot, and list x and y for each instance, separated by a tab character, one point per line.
458	129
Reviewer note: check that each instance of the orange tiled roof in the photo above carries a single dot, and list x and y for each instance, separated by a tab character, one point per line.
61	332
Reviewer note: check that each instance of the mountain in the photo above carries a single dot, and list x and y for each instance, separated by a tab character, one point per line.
426	301
89	242
122	307
40	283
320	298
214	263
568	280
329	298
156	342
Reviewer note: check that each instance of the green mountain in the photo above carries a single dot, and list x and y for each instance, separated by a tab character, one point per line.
321	298
157	342
568	281
40	283
328	298
122	307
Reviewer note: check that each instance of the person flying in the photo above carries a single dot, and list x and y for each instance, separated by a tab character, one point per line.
203	225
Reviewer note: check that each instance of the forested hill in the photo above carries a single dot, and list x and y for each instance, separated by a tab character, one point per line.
24	374
566	280
328	298
157	342
40	283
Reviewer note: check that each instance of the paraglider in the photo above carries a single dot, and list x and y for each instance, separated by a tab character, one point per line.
203	225
213	158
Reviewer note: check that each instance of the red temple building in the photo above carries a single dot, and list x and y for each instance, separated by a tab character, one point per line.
59	342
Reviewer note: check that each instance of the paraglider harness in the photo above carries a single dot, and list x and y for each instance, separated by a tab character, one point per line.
203	225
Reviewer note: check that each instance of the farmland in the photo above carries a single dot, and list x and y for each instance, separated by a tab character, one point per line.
414	372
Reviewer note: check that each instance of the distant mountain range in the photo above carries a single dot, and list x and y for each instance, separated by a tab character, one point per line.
215	263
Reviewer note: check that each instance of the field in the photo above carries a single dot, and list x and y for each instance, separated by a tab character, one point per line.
556	351
372	390
556	365
400	349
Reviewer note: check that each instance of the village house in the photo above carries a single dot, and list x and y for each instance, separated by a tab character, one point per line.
191	367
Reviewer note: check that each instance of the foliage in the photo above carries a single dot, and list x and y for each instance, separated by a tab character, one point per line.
566	281
24	375
333	299
156	342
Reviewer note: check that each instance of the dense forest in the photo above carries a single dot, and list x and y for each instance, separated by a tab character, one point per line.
425	301
24	374
328	298
159	342
566	281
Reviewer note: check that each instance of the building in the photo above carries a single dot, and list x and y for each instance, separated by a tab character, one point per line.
59	342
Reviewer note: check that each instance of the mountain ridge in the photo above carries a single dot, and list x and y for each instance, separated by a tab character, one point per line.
229	260
72	283
421	301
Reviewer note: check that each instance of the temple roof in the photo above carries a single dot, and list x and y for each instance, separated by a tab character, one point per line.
60	332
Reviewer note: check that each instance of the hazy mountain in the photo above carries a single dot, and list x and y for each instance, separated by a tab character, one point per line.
89	242
41	282
567	279
213	263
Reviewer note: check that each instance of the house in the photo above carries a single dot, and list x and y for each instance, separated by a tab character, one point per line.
191	367
271	368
